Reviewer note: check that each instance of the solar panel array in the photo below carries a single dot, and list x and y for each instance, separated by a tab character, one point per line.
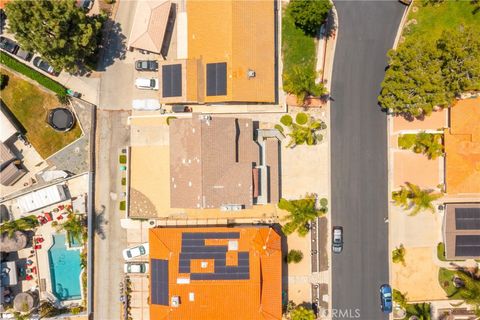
467	245
172	80
193	247
467	218
159	282
216	79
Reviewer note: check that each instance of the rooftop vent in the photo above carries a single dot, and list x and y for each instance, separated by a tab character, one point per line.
175	301
251	73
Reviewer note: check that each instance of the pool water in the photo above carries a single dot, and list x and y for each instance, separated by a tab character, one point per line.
64	269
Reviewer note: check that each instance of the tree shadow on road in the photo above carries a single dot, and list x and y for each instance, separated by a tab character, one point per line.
100	222
113	45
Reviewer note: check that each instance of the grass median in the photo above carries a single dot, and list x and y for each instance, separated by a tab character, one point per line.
41	79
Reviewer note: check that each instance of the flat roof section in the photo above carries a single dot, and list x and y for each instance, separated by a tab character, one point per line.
172	80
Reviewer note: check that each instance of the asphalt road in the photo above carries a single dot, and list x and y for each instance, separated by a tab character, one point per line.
367	30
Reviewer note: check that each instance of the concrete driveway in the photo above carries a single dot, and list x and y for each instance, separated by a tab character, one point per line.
367	30
117	88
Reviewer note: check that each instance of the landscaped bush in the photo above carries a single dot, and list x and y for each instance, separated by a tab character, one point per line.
429	144
399	298
123	205
122	159
398	255
124	181
279	128
441	251
303	131
294	256
286	120
169	119
309	14
301	118
43	80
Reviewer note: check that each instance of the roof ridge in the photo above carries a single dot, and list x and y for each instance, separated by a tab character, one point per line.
163	243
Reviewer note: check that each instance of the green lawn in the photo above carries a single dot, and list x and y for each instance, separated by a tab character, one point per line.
432	20
445	277
30	105
297	48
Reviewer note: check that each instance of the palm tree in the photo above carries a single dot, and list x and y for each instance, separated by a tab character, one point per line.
22	224
74	226
421	199
412	196
301	212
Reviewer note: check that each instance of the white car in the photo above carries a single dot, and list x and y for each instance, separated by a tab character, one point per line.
135	267
146	83
137	251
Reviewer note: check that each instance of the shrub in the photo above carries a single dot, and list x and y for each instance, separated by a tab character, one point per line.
398	255
294	256
43	80
124	181
323	202
122	159
309	14
170	119
3	81
286	120
279	128
301	118
441	251
123	205
406	141
429	144
75	310
399	298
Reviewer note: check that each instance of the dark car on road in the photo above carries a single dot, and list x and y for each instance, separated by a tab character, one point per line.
146	65
8	45
337	239
386	298
43	65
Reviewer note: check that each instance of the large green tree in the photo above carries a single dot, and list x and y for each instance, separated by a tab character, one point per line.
75	226
301	81
413	83
300	212
460	56
309	14
57	30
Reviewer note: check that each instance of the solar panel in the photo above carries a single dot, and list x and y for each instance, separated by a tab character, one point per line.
159	282
467	245
216	79
467	218
172	80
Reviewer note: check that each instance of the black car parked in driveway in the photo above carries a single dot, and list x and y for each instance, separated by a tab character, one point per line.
146	65
43	65
8	45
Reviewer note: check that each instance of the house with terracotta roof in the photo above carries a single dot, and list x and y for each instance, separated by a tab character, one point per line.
216	163
153	20
230	54
215	273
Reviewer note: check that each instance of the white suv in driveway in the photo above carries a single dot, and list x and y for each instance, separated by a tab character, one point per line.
146	83
137	251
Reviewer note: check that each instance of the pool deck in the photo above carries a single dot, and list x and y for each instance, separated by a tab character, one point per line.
43	264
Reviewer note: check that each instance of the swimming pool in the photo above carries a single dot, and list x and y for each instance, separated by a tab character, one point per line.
64	269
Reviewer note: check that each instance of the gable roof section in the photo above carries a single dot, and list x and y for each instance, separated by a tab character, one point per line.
462	148
217	298
211	162
149	25
243	37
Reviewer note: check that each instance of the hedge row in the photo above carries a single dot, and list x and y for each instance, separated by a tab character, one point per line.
43	80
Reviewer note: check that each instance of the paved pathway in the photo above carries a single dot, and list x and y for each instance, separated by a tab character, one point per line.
110	238
367	30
